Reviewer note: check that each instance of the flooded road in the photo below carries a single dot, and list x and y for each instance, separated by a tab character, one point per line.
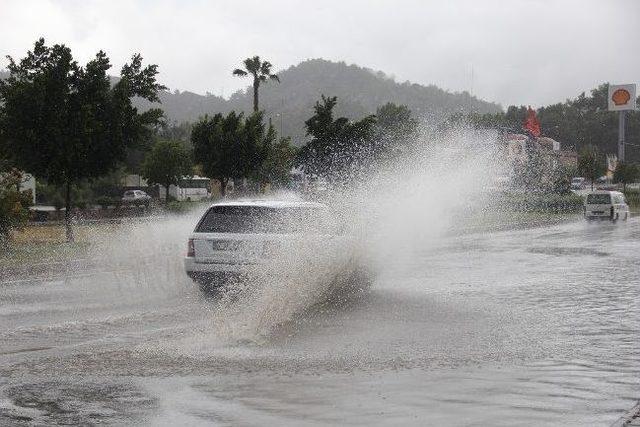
536	326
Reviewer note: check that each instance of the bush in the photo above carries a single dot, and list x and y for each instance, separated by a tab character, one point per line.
542	202
633	198
14	204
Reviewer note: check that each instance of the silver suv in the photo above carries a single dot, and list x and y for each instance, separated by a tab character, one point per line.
235	239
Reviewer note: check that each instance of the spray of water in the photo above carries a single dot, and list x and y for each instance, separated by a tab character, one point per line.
397	210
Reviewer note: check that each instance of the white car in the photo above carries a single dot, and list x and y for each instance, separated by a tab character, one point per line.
603	204
578	183
236	239
136	197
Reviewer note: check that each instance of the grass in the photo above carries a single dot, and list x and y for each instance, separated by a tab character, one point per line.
36	244
41	252
508	220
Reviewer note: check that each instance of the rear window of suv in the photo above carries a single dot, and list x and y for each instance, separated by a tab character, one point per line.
599	199
261	219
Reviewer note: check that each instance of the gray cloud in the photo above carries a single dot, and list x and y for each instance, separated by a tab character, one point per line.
522	51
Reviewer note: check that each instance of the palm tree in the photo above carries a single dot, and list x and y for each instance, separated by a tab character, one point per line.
261	72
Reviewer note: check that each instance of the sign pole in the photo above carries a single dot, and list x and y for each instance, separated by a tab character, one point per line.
621	120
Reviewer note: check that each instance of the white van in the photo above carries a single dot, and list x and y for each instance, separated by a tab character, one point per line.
604	204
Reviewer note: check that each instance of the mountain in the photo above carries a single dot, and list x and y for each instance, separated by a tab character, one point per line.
360	91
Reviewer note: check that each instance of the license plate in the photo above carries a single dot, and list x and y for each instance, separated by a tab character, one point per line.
226	245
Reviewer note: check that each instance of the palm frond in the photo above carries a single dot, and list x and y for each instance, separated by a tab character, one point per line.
239	72
265	68
252	65
274	77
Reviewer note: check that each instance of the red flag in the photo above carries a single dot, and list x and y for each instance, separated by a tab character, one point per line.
532	124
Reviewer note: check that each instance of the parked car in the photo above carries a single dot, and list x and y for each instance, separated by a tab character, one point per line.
236	240
603	204
136	197
578	183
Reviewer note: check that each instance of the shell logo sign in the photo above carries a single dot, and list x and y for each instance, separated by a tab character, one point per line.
622	97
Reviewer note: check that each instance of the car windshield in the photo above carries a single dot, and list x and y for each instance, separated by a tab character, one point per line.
599	199
261	219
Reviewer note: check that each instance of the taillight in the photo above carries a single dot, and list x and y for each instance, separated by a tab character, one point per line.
191	249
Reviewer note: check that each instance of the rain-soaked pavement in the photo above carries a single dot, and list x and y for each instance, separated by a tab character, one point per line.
530	327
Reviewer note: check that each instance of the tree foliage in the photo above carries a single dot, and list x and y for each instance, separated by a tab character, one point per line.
339	147
590	163
396	129
63	122
166	163
14	204
231	146
626	173
278	160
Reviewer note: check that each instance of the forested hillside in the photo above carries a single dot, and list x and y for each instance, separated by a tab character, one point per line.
360	92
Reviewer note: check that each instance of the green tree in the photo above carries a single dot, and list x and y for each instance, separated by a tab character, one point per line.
278	161
214	146
590	163
167	163
231	146
396	129
64	123
626	173
339	149
14	204
261	73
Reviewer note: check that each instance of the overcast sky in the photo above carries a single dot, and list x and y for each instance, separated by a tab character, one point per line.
522	51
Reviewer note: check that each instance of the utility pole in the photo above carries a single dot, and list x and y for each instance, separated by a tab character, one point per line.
621	139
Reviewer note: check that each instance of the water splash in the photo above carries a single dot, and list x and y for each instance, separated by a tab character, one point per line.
392	213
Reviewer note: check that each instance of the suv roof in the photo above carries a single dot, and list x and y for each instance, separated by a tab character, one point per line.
271	203
604	192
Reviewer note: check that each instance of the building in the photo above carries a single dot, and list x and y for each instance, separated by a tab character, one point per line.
519	148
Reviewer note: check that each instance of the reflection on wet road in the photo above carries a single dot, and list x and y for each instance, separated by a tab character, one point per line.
535	326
